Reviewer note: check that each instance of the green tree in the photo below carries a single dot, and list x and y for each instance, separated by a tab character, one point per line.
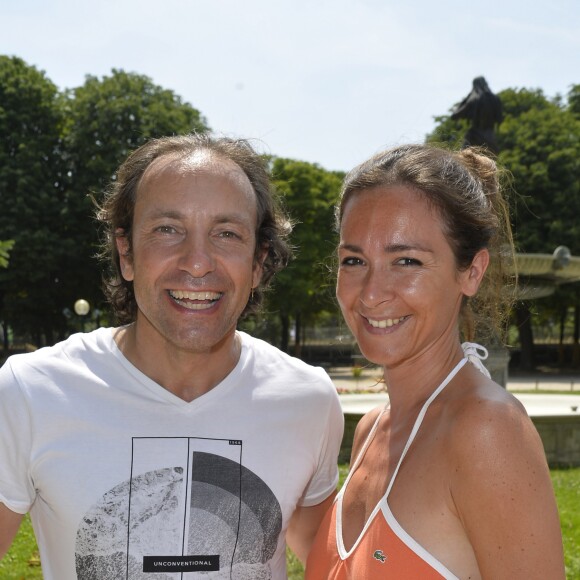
31	196
539	143
305	288
5	248
574	100
112	116
108	118
56	151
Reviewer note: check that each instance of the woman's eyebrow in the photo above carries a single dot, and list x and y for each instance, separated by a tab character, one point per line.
389	248
394	248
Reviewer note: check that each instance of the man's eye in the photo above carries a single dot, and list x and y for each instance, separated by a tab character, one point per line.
229	234
165	229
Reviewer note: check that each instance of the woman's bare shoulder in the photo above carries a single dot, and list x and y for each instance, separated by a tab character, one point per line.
489	437
500	486
483	414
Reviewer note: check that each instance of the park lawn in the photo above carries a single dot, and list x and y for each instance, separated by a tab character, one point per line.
567	487
22	563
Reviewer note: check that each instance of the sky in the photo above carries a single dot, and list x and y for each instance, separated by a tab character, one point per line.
329	82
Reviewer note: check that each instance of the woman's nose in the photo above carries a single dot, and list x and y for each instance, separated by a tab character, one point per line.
377	288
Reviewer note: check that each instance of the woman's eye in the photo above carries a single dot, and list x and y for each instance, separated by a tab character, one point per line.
408	262
351	261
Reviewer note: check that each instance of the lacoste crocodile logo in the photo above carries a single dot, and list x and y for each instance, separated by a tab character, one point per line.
378	555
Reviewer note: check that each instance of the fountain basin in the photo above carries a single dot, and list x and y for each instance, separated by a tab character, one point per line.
556	417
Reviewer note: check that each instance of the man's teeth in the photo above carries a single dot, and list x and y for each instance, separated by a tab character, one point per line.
195	300
182	294
386	323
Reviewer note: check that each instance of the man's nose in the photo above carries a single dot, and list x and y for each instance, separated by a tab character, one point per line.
197	258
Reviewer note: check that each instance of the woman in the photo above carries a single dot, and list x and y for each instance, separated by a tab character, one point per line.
450	479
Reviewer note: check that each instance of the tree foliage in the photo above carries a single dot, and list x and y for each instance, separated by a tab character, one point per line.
5	248
540	145
306	286
112	116
107	118
539	142
57	151
31	193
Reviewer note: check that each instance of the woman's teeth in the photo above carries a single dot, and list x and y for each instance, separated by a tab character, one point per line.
386	323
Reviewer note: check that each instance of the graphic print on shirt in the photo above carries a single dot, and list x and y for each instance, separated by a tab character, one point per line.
189	510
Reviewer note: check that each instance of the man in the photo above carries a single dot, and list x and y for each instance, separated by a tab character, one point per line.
174	443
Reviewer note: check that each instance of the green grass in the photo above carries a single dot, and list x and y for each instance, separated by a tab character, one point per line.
21	562
567	487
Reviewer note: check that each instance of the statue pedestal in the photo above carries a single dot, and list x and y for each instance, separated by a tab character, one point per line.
497	364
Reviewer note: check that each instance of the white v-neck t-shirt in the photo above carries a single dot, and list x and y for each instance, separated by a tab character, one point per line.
124	479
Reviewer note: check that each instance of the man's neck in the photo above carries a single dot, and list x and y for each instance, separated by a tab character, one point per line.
186	374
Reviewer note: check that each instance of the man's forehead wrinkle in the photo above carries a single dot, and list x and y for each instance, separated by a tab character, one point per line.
181	165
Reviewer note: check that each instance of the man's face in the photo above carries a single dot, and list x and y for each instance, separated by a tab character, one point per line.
193	246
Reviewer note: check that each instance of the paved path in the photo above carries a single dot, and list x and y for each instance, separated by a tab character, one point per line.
358	395
370	381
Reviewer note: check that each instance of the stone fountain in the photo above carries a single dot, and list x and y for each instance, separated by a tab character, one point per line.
540	274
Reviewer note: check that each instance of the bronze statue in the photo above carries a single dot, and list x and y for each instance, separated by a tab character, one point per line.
484	110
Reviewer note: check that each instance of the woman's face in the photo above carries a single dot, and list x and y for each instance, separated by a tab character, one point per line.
398	284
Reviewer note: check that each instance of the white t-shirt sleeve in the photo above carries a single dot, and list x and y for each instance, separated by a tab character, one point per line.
325	479
16	487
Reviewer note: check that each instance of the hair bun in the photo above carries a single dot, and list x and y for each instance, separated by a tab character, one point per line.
482	166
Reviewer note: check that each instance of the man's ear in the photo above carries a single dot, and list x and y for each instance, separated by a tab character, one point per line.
473	276
259	267
125	257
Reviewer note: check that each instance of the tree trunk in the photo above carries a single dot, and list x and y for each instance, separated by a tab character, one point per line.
298	335
524	324
284	332
575	345
561	349
4	326
5	336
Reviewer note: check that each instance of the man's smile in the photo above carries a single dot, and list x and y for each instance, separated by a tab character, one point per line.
195	300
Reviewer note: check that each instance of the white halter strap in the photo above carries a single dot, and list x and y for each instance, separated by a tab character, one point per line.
420	417
475	353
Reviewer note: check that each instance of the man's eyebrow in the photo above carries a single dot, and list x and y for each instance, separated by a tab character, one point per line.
224	218
232	218
165	213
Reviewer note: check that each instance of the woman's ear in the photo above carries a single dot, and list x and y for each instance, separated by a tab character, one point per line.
473	276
